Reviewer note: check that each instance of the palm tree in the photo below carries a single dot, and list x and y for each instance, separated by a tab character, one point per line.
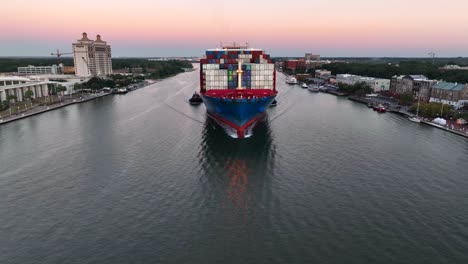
11	99
28	95
60	89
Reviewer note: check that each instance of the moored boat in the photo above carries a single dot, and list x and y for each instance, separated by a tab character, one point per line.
291	80
415	118
380	108
313	88
304	86
120	91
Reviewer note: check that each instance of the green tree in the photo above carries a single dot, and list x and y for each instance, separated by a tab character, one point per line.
11	97
432	110
28	94
360	88
406	98
77	87
60	88
4	105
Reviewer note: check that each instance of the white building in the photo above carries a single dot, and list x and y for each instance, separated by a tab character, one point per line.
33	70
322	74
92	57
375	83
17	86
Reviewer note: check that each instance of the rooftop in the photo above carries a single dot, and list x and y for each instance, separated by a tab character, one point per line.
14	78
449	86
418	77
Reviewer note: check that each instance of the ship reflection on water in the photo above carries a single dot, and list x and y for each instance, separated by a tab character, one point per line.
236	167
236	190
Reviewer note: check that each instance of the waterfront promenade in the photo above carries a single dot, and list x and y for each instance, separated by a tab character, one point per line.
45	108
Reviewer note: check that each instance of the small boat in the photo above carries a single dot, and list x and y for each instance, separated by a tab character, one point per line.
196	99
314	89
380	108
274	103
304	86
120	91
291	80
416	117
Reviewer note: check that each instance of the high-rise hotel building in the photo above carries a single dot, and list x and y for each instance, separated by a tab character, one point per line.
92	57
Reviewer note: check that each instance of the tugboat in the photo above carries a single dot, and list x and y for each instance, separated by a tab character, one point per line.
274	103
196	99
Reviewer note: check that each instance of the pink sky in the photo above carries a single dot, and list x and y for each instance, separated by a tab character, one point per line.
160	28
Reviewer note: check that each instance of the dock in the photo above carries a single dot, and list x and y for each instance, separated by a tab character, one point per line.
335	92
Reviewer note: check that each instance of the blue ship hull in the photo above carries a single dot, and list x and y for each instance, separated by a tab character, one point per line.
239	114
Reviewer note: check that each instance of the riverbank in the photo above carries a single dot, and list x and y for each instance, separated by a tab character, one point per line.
446	128
46	108
396	109
70	101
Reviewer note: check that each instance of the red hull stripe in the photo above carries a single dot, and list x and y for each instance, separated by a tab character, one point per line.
239	129
245	93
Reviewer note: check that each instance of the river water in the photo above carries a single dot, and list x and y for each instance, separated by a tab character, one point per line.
147	178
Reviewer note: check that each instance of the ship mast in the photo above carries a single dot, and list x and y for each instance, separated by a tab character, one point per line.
239	75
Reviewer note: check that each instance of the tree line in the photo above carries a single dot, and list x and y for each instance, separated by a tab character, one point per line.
403	68
359	88
11	64
160	69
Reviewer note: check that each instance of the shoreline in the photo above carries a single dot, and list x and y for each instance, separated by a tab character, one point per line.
50	108
45	109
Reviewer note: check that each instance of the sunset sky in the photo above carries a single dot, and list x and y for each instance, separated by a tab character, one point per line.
283	28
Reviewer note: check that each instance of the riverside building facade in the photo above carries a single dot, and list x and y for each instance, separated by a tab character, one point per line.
454	94
419	85
17	86
35	70
375	83
92	57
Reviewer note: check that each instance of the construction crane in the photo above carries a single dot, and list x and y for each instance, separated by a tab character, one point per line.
433	54
59	54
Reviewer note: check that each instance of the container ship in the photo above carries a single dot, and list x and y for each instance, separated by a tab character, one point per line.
237	85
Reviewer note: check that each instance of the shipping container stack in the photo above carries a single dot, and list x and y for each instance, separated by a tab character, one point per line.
219	69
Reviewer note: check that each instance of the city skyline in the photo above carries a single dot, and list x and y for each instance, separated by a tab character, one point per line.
186	28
